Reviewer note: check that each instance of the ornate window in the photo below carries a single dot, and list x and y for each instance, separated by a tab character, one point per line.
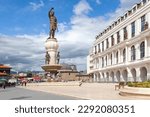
133	54
112	40
144	1
99	49
118	37
143	23
106	60
103	46
132	29
117	57
142	49
107	43
95	49
125	33
124	55
111	58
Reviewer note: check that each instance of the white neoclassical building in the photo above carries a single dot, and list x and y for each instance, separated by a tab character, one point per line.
122	51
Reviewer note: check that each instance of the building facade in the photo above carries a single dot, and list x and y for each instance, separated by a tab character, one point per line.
68	72
4	71
122	51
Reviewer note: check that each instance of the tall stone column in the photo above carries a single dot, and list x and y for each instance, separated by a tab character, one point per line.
121	76
126	55
148	72
138	78
146	46
130	77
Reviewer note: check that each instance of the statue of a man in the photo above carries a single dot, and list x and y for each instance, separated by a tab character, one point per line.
47	58
58	57
53	23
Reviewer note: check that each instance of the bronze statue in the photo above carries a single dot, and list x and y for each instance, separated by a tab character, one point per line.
58	57
53	23
47	58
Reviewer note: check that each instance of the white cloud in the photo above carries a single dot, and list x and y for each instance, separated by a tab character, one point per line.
98	1
128	3
36	6
123	7
22	51
82	8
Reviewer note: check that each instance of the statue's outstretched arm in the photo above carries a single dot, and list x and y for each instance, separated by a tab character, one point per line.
50	11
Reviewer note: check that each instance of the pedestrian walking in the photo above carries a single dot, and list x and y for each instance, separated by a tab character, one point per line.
4	85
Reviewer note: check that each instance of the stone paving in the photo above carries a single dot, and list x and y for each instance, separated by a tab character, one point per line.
95	91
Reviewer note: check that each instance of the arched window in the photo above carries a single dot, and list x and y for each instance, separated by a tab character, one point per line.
124	55
111	59
117	57
142	49
106	60
133	55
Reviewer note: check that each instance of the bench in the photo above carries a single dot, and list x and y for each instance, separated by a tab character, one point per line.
120	85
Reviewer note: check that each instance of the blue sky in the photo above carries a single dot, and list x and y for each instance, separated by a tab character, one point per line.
30	16
24	26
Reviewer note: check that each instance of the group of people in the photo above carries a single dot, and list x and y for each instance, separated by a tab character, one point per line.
24	82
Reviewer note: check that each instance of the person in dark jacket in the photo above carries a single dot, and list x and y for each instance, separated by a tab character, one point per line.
4	85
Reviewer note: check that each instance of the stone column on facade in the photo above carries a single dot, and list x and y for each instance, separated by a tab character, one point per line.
107	76
103	77
121	35
148	72
146	46
99	66
110	76
138	78
99	77
137	51
113	58
115	78
129	76
121	76
129	31
108	60
138	29
95	80
119	56
126	54
94	76
100	59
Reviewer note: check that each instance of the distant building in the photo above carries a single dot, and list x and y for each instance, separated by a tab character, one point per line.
84	77
68	72
5	71
122	51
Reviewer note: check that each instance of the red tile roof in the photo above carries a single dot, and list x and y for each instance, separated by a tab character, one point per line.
3	74
4	66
